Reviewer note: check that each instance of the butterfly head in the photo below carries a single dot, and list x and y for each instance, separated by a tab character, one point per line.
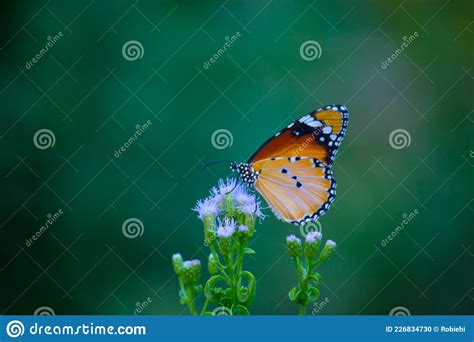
246	172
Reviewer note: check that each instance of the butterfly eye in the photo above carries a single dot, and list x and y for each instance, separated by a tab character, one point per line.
233	166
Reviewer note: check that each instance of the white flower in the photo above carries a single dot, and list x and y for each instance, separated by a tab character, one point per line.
246	202
243	228
252	208
242	196
243	200
225	227
207	206
293	238
223	189
312	237
227	186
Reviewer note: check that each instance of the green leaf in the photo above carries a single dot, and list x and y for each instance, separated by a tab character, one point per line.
240	310
316	277
214	294
313	293
183	296
293	294
248	251
246	295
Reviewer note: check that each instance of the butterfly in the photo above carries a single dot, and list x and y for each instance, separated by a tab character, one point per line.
292	169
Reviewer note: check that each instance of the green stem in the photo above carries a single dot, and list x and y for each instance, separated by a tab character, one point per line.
308	272
219	265
302	311
181	284
233	289
205	306
296	262
240	258
305	290
190	291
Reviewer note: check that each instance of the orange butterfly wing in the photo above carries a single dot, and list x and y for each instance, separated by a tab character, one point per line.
294	174
298	189
317	134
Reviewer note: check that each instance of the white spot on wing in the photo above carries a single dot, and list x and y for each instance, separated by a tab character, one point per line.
327	129
314	123
302	119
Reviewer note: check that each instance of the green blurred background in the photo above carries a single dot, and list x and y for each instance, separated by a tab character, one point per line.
92	98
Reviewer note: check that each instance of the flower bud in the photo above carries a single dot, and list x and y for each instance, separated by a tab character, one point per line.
225	231
312	241
294	246
225	245
243	234
212	265
209	223
229	205
328	249
177	262
249	221
191	271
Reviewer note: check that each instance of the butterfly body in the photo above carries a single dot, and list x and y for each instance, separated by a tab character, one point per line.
292	170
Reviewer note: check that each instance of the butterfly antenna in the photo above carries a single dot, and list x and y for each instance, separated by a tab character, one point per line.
236	184
216	162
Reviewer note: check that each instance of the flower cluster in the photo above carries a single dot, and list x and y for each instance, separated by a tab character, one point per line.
229	216
306	256
230	197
